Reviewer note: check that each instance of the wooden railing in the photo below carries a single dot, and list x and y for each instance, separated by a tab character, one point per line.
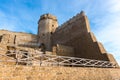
39	59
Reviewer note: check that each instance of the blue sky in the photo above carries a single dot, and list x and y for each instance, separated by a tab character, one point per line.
104	17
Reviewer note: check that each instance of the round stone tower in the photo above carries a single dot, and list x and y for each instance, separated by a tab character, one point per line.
47	25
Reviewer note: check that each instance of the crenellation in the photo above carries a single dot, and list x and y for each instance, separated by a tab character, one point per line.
82	13
48	16
71	20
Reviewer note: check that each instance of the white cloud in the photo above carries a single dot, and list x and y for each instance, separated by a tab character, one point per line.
108	28
114	6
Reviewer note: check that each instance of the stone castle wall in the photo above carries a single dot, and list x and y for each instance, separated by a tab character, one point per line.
16	38
76	33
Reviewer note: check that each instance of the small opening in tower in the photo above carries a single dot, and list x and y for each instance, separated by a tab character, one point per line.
0	38
51	33
43	34
52	25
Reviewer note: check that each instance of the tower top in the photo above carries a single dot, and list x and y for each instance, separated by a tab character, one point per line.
82	13
48	16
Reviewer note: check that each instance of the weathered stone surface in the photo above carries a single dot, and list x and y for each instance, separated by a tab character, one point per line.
57	73
16	38
77	34
46	27
64	50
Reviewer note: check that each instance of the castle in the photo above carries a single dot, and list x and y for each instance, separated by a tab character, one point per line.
73	38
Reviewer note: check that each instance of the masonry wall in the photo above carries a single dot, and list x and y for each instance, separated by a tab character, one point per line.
76	33
57	73
17	38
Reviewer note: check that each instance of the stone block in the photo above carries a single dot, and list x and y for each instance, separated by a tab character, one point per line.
64	50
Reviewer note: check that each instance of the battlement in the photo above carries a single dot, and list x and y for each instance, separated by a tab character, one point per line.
47	16
71	20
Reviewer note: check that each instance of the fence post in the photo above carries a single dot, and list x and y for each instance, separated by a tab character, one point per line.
16	56
41	55
58	60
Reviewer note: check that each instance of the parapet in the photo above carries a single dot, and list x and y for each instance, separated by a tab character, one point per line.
47	16
82	13
72	20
